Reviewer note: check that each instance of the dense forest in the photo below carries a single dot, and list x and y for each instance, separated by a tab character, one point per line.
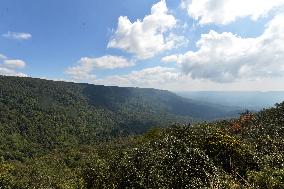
67	135
39	115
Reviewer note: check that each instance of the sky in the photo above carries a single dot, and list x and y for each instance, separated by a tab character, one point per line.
178	45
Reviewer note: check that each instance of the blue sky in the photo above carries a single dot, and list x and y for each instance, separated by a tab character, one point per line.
84	41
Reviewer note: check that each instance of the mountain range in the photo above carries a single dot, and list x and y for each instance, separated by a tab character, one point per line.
252	100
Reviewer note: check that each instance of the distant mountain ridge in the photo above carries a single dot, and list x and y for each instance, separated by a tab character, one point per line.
253	100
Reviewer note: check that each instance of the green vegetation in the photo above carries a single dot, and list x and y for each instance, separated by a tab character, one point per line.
62	135
38	116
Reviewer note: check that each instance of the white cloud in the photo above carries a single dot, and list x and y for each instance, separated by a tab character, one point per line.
170	58
170	79
227	11
14	64
106	62
186	83
148	77
226	57
148	37
17	35
9	67
10	72
2	57
83	71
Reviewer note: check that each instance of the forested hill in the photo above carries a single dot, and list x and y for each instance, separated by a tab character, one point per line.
41	114
247	152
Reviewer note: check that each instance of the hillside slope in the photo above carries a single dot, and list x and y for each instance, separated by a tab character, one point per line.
40	115
247	152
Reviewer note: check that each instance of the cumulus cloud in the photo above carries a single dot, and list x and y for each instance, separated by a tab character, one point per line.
148	37
169	59
10	72
9	67
17	35
227	11
2	57
148	77
14	64
226	57
83	71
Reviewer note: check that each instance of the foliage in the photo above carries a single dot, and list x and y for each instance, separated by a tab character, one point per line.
65	135
267	178
39	115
